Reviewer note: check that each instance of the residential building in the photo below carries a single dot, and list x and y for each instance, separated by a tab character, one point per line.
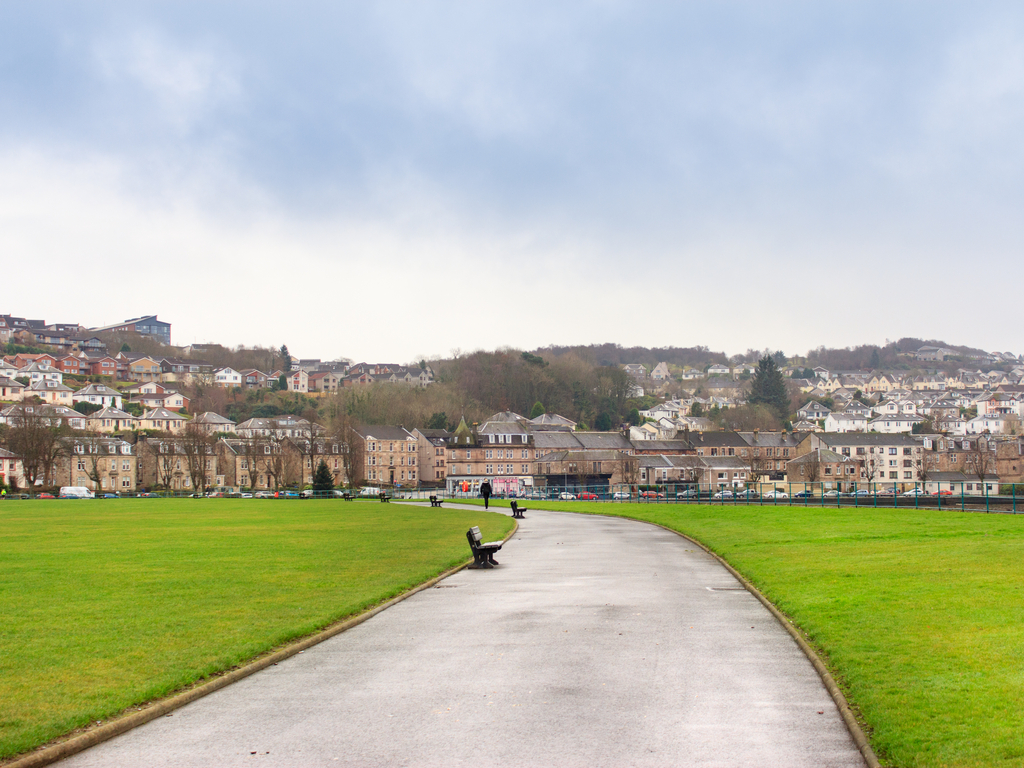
163	420
388	456
98	394
145	326
101	464
111	419
432	446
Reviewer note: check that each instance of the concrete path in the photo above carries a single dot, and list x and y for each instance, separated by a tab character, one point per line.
598	642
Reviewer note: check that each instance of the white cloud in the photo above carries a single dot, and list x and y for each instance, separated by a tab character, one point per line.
184	82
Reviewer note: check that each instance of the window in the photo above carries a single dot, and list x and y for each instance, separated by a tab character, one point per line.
526	454
894	475
508	469
489	469
525	469
892	451
489	454
908	451
908	475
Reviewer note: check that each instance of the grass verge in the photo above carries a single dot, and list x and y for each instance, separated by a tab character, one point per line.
108	604
919	614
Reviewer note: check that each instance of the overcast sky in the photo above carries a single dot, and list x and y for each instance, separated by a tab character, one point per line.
385	181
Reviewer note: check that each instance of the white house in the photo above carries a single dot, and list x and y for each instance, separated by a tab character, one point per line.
227	377
996	424
813	411
890	425
660	372
98	394
844	421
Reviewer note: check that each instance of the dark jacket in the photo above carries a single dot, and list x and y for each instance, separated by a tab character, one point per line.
485	488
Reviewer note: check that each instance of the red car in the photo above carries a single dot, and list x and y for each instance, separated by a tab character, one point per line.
941	493
651	495
587	496
45	496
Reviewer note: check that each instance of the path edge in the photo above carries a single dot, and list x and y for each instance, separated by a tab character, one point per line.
852	725
51	753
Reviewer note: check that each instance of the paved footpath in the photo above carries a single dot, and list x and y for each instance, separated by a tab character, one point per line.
597	642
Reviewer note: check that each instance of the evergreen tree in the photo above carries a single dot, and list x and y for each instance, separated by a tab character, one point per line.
438	420
769	388
323	480
538	410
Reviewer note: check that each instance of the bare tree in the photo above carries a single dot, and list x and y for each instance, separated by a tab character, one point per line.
254	454
980	459
342	429
197	447
629	467
38	442
813	466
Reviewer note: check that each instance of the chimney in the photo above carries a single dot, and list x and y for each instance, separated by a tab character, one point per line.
755	435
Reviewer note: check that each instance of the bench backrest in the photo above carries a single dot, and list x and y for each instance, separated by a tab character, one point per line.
473	534
514	504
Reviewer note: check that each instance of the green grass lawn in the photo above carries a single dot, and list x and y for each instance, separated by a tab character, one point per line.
918	613
107	604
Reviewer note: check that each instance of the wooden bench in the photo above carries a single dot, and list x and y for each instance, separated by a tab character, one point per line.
346	496
383	497
483	553
435	502
517	511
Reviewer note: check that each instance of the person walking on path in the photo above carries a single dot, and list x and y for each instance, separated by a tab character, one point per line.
485	491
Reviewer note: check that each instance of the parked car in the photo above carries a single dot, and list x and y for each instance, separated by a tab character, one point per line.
45	496
689	493
108	496
652	495
749	494
287	495
833	494
245	495
723	495
862	492
264	494
886	492
148	495
776	495
621	496
913	492
215	495
566	496
804	495
76	492
941	493
587	496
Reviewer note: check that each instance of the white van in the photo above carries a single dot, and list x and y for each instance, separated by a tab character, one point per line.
370	491
76	492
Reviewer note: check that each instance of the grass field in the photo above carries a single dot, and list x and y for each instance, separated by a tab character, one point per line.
919	614
107	604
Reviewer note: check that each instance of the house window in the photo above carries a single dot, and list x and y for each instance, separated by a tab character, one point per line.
892	451
908	475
